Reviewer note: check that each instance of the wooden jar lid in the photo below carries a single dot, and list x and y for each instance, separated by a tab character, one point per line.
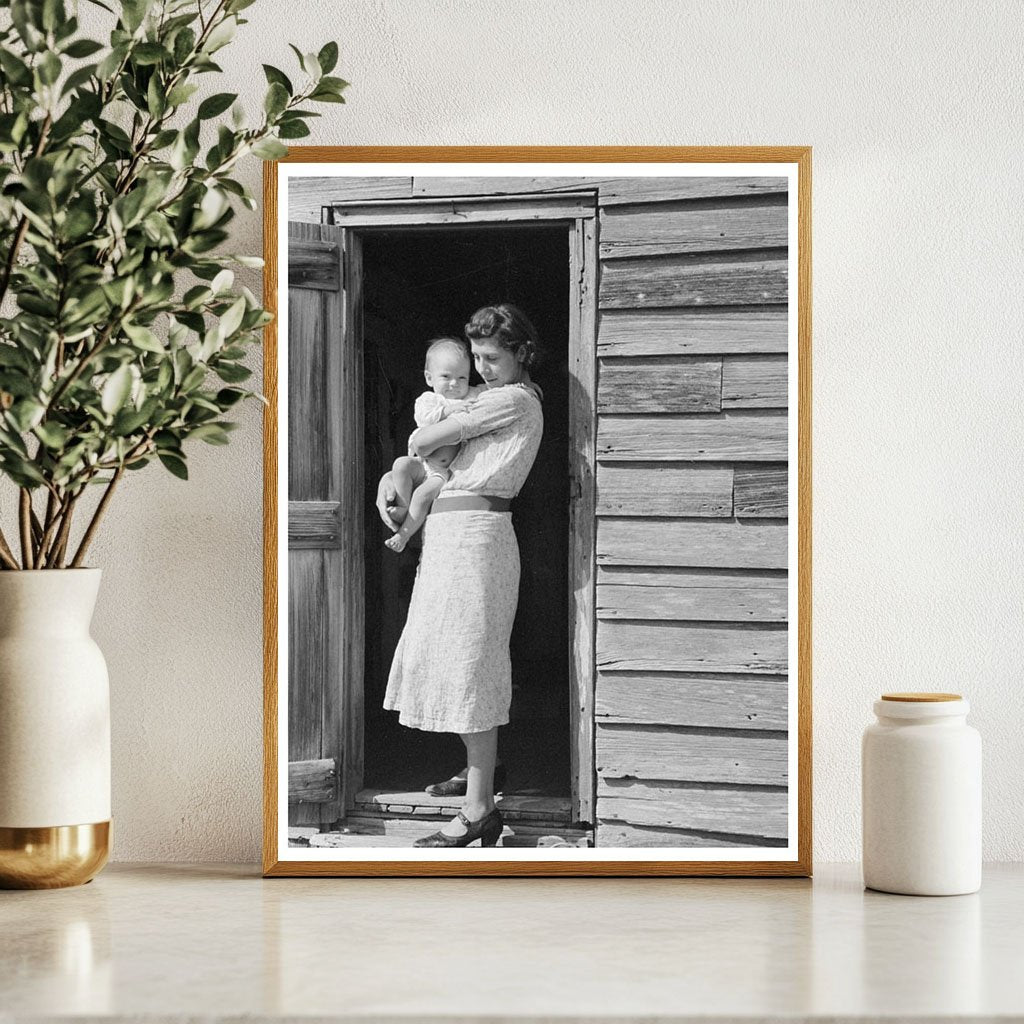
921	698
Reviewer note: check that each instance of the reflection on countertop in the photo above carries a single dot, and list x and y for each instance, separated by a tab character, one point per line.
177	941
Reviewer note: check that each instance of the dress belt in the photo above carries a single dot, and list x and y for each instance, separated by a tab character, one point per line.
470	503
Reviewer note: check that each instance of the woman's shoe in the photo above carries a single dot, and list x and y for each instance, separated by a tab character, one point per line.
487	830
456	786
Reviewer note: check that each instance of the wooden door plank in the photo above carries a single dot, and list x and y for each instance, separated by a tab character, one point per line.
692	756
760	382
682	332
308	669
678	281
731	437
312	781
682	647
583	275
632	489
709	808
699	544
659	231
313	264
643	386
314	524
307	406
720	701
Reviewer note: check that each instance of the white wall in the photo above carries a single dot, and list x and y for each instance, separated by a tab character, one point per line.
914	113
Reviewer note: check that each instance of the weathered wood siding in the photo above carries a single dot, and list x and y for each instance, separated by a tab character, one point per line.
692	497
691	695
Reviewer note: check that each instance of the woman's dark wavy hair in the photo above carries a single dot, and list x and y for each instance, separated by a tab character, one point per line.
509	326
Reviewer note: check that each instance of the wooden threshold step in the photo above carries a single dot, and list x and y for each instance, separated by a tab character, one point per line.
374	830
555	810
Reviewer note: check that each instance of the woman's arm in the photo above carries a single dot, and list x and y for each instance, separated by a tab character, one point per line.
386	495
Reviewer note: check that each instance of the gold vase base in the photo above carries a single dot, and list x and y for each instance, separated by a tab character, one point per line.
52	857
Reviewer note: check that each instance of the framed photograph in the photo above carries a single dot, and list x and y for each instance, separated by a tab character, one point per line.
538	511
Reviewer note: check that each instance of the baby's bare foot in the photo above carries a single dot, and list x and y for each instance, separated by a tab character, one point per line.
396	543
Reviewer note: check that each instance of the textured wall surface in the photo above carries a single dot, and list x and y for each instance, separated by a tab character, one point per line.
913	111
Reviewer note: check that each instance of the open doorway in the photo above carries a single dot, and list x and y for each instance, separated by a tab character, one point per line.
418	284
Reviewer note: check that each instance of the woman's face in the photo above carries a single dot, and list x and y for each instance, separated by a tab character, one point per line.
496	364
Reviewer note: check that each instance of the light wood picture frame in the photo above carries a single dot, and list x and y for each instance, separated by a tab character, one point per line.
660	720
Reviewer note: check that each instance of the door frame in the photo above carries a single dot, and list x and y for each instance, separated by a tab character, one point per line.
577	211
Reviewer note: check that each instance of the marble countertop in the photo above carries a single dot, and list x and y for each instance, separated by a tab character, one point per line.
179	941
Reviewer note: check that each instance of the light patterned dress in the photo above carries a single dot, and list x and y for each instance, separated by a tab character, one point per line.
451	671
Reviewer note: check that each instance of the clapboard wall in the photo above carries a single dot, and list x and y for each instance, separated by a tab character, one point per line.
692	497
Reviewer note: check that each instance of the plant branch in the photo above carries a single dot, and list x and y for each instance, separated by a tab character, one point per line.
61	543
6	554
97	516
25	520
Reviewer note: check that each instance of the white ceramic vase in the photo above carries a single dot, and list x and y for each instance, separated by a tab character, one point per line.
54	731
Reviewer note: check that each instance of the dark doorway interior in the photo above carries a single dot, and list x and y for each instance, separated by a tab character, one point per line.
418	284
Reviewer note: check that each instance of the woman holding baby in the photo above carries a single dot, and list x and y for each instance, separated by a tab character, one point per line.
451	670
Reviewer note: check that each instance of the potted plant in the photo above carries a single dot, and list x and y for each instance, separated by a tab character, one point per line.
122	340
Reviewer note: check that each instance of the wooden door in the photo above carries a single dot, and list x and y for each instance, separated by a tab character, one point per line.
325	572
576	211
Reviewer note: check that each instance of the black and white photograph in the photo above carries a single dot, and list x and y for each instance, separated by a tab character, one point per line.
537	576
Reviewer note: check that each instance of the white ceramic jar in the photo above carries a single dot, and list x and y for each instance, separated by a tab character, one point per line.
921	788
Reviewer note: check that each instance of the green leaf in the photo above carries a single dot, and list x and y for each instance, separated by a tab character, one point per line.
133	13
325	96
334	84
193	379
149	53
83	48
228	397
221	35
232	319
328	57
216	104
269	149
49	68
128	421
181	94
311	66
222	282
53	435
293	130
232	373
276	99
184	44
144	338
211	433
175	465
279	77
16	70
26	413
116	390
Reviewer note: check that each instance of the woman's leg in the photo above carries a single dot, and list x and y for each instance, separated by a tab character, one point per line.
481	752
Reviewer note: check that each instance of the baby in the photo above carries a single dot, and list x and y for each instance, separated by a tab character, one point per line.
418	480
